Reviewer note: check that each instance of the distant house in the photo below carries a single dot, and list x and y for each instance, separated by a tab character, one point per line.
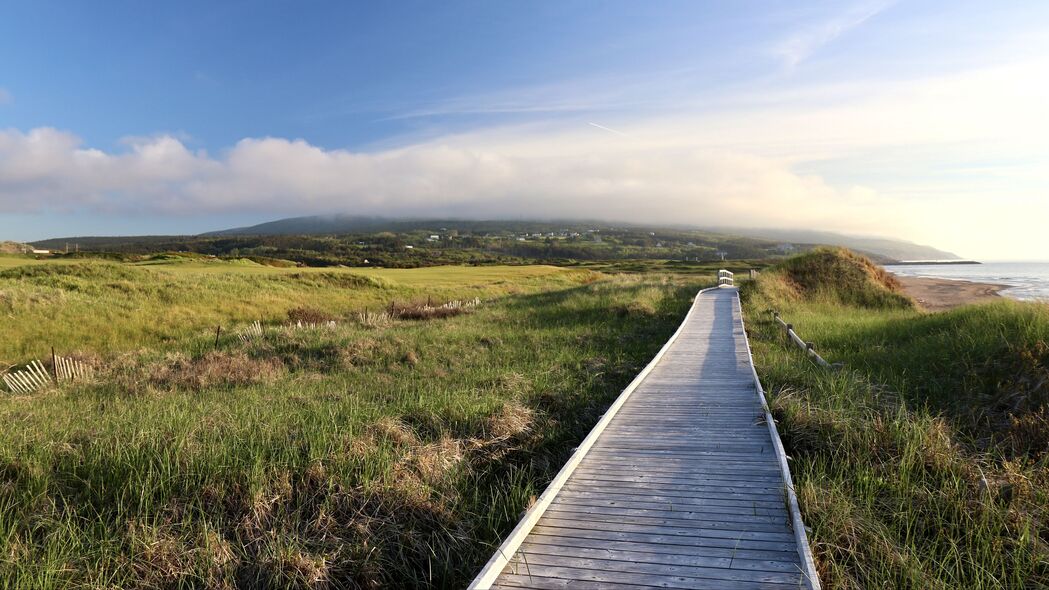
409	247
433	238
38	251
785	248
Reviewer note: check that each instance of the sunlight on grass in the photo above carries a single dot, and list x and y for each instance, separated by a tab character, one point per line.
921	464
392	455
104	306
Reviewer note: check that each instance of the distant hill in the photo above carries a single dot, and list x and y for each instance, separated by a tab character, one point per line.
11	248
354	224
881	249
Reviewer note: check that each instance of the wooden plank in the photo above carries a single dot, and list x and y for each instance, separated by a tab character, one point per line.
667	498
570	577
650	554
642	504
786	551
544	557
754	539
715	518
656	490
711	470
699	484
686	519
725	460
573	539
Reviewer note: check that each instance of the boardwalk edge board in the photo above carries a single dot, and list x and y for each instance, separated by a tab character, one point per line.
797	524
506	551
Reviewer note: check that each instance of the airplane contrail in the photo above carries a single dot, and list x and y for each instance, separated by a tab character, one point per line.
610	130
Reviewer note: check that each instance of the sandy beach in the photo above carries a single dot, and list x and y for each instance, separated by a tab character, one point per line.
941	294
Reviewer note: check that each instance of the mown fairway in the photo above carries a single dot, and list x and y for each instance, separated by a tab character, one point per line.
923	463
389	453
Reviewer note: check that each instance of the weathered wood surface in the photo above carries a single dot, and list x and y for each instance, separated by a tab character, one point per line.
681	488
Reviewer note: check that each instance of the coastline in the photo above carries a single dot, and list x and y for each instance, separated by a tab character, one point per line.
934	294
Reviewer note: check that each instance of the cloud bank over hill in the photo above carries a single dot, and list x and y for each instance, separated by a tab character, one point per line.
915	161
556	175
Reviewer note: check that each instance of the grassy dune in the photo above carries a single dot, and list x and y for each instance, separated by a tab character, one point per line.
393	453
923	463
103	307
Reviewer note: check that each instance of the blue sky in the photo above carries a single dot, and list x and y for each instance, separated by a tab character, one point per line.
919	120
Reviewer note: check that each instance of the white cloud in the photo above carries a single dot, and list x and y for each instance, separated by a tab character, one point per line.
577	174
805	42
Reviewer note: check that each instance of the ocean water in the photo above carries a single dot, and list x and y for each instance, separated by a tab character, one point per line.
1026	280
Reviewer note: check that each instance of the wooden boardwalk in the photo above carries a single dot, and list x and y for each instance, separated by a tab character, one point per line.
683	483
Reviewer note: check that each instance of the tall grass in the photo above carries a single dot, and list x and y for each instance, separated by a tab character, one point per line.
922	463
391	454
103	307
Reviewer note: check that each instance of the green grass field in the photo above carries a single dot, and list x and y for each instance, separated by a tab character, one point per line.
103	307
395	452
923	462
386	454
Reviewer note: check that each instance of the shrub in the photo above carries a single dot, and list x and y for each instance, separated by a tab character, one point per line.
309	316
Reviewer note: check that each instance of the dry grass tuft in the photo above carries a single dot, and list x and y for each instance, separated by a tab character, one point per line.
410	358
296	568
309	316
395	430
1028	435
214	369
417	311
433	462
374	319
505	431
634	309
361	352
595	365
429	311
164	556
514	419
512	383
